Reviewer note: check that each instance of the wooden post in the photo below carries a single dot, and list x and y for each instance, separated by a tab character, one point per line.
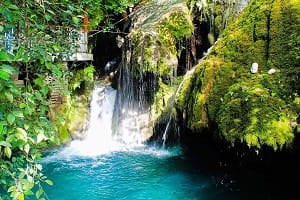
85	24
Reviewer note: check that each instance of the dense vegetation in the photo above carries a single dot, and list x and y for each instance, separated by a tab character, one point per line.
40	35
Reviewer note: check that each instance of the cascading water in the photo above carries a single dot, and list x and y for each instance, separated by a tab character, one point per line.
99	138
131	115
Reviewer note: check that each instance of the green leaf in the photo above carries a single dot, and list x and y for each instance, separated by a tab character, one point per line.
9	97
8	68
26	126
27	148
10	118
28	193
76	20
40	137
13	7
5	57
5	144
27	185
45	90
21	134
22	105
7	152
39	193
21	196
47	17
4	75
1	126
18	113
49	182
12	188
39	82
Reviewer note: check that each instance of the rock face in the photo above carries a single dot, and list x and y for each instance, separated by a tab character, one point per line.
223	97
157	26
149	62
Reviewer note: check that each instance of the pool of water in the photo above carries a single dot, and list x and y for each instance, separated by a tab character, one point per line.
140	173
149	173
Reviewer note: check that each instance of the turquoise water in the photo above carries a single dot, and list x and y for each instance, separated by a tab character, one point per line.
146	173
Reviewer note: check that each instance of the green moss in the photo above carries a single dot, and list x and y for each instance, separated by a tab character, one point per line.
83	79
249	113
195	90
162	103
155	38
64	135
258	109
185	90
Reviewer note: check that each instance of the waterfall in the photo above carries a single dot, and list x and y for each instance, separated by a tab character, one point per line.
131	116
99	135
99	138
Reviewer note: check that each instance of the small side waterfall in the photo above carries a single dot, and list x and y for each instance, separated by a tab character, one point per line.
131	115
187	74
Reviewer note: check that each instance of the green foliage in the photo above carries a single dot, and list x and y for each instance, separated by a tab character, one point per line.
37	53
195	91
23	128
102	11
82	77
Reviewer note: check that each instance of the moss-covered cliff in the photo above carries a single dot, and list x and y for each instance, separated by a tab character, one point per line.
224	96
157	27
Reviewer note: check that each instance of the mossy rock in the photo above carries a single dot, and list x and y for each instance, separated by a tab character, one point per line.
258	109
194	93
249	113
158	26
162	103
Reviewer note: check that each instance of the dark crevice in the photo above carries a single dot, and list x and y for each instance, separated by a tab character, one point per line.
193	48
106	50
268	32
